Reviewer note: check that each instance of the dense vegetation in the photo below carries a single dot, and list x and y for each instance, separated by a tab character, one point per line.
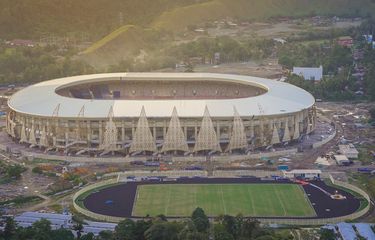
10	172
33	19
338	65
259	9
198	227
230	49
27	65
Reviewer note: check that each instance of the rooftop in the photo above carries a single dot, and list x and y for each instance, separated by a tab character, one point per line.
41	99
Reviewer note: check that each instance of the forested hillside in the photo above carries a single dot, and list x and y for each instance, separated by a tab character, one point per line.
259	10
32	19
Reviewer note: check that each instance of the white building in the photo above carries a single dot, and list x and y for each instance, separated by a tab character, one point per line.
349	151
308	73
303	173
341	159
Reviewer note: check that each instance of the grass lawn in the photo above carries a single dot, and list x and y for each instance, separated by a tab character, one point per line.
247	199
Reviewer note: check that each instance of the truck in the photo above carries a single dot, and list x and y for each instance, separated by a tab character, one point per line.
283	167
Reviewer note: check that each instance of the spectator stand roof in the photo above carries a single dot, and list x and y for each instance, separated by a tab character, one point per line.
41	99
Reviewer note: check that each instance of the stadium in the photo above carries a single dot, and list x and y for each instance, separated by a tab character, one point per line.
149	113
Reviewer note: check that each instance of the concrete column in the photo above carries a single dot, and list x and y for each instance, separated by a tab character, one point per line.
195	131
133	129
218	131
261	133
154	132
48	128
57	133
164	128
88	126
185	132
123	131
100	132
66	132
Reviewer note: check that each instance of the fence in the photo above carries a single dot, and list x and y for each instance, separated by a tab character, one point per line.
295	221
92	214
172	174
236	173
328	139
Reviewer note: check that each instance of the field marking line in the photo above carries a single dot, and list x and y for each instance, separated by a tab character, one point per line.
168	200
303	199
278	197
251	200
269	200
222	199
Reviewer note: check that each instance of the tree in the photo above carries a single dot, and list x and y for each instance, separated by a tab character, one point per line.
221	233
10	228
78	228
163	230
62	234
327	234
200	220
105	235
189	232
140	228
372	113
14	171
189	68
249	226
37	170
230	225
125	230
265	237
89	236
42	229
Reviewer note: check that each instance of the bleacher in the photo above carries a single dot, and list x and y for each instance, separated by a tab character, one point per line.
80	93
162	90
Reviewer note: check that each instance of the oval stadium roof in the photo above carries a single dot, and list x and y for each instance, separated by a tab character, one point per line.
41	99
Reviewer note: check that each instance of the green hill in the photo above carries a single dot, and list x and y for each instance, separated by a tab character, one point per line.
179	18
117	44
96	18
133	25
102	43
125	42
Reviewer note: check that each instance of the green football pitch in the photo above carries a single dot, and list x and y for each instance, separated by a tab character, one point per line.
260	200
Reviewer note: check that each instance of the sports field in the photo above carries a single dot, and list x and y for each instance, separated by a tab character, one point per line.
281	200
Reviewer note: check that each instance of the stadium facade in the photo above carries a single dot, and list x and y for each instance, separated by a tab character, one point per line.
160	112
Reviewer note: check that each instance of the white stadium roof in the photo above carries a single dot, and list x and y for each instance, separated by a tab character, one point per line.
41	99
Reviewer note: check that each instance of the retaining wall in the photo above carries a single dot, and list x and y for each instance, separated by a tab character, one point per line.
324	141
